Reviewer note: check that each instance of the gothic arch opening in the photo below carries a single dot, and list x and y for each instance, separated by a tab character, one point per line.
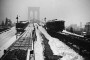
36	15
31	15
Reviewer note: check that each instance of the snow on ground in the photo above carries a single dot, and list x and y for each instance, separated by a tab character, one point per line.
38	47
59	48
11	30
4	37
72	33
7	44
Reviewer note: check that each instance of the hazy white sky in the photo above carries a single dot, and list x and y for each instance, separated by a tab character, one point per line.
72	11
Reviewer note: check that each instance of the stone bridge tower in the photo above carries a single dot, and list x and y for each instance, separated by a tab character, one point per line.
33	11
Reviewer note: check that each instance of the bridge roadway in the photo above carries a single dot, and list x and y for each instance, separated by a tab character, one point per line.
45	46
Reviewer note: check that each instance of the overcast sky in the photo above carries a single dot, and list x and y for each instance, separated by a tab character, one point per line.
72	11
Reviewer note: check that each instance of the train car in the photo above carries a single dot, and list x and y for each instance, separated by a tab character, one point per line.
55	25
20	26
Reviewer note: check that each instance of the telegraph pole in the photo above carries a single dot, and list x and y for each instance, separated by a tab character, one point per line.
16	28
45	19
17	18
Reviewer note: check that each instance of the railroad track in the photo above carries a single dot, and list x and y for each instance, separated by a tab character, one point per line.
23	43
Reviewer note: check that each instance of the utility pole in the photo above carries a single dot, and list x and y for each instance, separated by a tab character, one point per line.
16	25
17	18
45	19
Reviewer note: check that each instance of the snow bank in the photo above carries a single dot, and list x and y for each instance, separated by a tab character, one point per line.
59	48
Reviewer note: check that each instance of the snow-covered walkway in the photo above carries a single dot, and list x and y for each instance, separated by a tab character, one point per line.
38	47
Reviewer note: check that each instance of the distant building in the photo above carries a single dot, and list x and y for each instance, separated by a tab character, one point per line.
87	28
8	22
75	29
